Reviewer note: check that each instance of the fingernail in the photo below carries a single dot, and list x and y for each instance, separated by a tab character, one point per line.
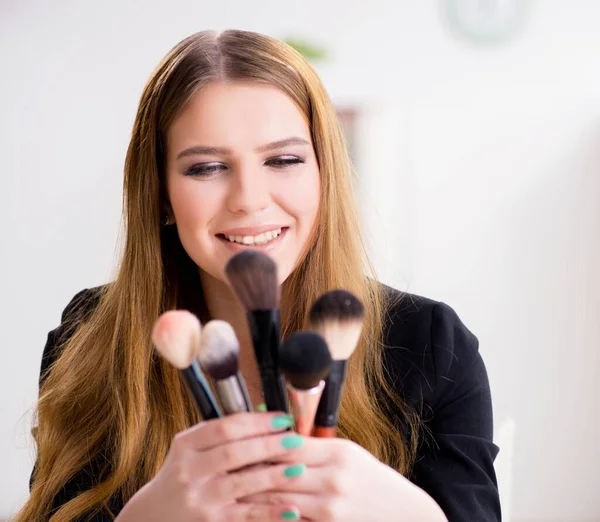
290	515
292	441
294	471
282	421
262	407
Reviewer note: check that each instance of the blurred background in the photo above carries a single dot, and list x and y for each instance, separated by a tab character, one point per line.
475	133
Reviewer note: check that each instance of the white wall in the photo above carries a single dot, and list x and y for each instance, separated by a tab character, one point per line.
495	153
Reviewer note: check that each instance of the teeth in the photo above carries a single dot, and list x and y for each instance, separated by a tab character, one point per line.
261	239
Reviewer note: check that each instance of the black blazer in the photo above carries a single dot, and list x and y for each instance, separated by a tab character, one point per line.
433	362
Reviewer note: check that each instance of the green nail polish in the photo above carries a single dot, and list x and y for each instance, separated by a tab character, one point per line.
294	471
262	407
282	421
292	441
290	515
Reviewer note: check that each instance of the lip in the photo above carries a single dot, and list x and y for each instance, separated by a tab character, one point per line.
251	231
267	248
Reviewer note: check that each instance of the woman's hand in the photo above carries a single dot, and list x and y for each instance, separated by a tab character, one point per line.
344	483
203	475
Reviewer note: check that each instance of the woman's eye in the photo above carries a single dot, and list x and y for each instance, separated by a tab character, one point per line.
284	161
204	169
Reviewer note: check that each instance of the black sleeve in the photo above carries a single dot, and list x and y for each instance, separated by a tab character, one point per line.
78	308
78	305
456	464
55	338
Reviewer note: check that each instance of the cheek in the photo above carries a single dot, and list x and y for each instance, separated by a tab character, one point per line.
301	198
192	204
195	205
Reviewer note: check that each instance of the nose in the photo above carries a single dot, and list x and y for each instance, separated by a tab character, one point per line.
249	191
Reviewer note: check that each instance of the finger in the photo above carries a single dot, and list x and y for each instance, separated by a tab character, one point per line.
324	508
322	452
328	480
240	454
225	488
209	434
262	512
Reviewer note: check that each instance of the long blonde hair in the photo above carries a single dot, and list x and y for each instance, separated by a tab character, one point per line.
108	398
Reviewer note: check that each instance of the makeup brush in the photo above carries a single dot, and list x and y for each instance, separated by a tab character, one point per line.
338	316
305	360
176	336
253	277
219	357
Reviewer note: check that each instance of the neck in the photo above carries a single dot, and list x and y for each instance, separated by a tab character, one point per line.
223	304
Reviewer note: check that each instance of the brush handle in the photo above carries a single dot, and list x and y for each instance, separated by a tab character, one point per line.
324	433
273	385
231	396
264	328
305	403
244	389
200	389
327	413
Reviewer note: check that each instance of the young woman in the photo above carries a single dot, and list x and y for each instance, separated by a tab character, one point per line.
235	136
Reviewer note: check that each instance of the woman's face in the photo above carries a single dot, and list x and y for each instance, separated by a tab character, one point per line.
242	174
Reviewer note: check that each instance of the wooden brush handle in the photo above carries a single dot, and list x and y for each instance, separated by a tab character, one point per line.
324	432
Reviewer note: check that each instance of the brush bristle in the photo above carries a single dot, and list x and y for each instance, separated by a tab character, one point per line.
176	336
253	277
305	359
340	305
219	350
338	316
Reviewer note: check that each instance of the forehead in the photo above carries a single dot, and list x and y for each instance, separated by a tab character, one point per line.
237	114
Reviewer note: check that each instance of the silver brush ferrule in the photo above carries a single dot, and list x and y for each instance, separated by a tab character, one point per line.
231	395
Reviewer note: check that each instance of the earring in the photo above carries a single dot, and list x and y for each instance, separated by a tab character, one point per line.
166	220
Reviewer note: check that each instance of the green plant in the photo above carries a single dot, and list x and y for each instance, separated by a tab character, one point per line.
310	51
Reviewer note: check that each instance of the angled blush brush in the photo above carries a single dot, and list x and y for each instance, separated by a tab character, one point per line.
253	277
176	336
338	316
305	360
219	357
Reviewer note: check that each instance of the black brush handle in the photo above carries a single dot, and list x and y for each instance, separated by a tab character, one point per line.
200	389
274	394
329	405
264	328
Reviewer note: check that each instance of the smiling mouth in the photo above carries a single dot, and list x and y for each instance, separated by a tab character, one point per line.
262	239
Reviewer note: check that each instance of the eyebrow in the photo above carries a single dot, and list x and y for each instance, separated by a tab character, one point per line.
213	151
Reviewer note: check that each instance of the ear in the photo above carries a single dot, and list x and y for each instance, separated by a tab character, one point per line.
167	209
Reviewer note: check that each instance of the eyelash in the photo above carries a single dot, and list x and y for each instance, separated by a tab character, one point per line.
203	170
